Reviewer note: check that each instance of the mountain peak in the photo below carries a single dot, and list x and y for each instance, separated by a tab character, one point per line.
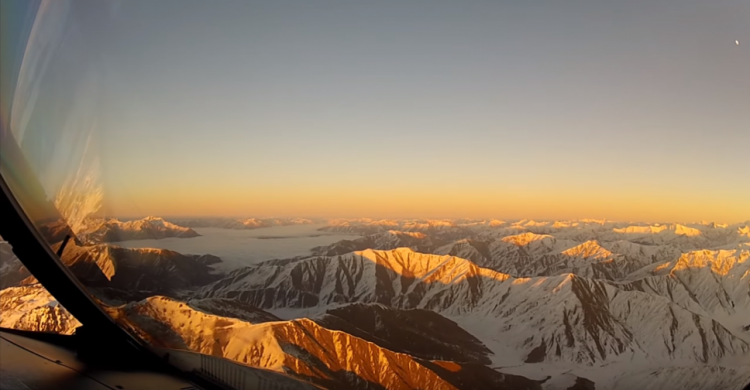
637	229
589	249
524	239
113	230
686	231
428	268
720	261
417	235
744	231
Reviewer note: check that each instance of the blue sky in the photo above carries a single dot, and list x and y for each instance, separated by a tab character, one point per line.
606	109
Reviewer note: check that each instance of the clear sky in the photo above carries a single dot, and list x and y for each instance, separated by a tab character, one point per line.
635	110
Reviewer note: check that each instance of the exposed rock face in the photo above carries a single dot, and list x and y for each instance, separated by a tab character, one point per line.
121	273
143	269
420	333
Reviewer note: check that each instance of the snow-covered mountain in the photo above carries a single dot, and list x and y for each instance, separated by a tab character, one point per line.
390	239
304	349
530	254
241	223
33	308
597	249
135	269
714	284
113	230
689	236
437	229
466	304
562	318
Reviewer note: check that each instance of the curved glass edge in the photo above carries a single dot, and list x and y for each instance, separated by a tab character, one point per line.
50	168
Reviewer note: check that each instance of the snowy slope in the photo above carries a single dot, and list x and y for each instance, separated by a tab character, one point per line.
445	304
33	308
301	348
715	284
559	318
112	230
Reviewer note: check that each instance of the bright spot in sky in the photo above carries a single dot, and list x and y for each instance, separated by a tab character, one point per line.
737	42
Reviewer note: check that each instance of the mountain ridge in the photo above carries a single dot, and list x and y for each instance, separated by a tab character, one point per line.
456	288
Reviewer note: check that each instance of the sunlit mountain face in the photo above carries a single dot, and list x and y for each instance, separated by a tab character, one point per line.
428	304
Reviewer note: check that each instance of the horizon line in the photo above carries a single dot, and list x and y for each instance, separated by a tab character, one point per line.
508	220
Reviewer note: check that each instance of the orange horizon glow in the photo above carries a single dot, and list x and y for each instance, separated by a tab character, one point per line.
423	203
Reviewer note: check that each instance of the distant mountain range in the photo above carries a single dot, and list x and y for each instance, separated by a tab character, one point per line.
95	230
242	223
443	304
